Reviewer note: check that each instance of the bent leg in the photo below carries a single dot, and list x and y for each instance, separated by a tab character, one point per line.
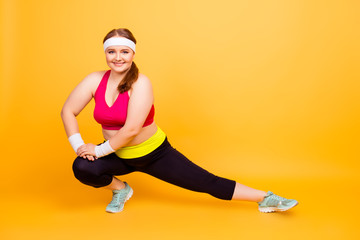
99	173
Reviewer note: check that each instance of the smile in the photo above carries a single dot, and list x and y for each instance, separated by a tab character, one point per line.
118	64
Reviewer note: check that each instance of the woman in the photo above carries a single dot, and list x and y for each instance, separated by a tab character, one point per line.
124	107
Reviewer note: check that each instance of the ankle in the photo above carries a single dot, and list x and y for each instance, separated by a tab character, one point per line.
262	196
116	185
119	186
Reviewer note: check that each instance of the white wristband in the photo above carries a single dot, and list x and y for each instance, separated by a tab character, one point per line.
76	141
103	149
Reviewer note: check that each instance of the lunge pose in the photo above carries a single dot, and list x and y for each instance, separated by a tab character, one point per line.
133	142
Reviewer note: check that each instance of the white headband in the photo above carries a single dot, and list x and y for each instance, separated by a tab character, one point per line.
116	41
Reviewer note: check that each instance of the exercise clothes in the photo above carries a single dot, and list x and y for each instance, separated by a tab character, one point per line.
114	117
165	163
154	156
143	148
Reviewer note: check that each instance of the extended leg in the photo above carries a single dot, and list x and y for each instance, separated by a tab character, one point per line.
246	193
173	167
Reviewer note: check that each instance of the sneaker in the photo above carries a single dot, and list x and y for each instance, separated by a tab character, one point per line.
275	203
119	198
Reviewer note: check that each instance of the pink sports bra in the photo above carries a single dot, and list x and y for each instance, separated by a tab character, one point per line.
114	117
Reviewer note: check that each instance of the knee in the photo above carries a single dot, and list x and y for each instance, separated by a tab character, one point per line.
87	172
81	168
78	165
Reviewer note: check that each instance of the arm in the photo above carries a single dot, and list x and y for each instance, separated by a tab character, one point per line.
76	102
139	107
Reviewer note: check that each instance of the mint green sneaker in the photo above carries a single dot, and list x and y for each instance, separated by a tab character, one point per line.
119	198
275	203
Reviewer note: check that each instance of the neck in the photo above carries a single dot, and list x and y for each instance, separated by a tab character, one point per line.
116	76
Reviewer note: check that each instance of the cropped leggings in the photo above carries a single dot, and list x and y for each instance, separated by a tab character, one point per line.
164	163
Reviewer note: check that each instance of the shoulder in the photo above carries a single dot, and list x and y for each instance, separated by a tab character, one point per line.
142	86
142	81
92	80
94	77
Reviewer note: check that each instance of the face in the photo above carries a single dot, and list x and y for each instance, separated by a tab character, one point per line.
119	58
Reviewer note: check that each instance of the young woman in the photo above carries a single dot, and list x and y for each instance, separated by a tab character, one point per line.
124	108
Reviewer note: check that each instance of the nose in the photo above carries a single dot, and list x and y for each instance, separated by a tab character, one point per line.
118	56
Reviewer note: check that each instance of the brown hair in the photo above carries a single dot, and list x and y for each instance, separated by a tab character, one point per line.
133	73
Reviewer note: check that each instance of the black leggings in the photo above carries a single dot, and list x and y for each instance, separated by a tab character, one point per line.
165	163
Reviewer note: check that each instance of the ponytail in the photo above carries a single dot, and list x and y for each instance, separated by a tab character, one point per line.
130	77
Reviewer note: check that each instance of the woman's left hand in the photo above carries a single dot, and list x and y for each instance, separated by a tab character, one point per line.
87	151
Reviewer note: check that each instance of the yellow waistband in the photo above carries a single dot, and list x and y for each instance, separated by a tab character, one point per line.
143	148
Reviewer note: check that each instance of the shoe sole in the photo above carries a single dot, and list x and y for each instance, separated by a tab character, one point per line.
275	209
128	196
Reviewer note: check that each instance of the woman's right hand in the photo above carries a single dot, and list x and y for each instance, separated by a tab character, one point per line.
90	158
87	151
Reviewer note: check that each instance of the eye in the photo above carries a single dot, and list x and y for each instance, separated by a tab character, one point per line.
111	51
125	52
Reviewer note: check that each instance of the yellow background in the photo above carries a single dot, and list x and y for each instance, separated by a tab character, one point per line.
264	92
